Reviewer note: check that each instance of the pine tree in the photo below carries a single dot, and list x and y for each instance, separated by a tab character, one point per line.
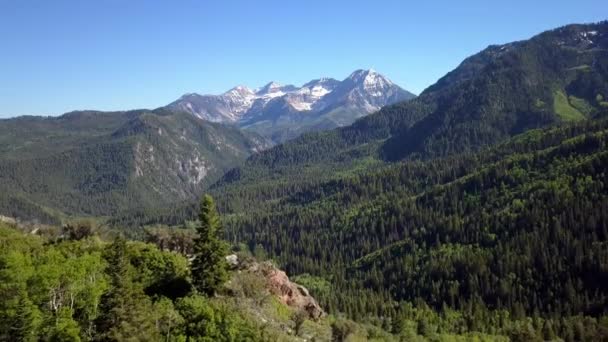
115	302
209	268
126	313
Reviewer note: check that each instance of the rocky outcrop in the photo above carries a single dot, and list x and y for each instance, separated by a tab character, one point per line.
232	260
277	283
290	293
7	219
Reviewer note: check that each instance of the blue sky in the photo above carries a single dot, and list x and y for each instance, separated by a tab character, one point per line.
61	55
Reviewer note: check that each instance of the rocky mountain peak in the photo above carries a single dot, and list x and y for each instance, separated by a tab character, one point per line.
324	81
241	91
370	79
269	88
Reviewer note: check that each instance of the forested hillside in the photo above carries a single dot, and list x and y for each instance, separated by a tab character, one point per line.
99	164
471	242
478	236
80	282
518	230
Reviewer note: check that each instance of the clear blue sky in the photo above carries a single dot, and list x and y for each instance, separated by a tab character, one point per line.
61	55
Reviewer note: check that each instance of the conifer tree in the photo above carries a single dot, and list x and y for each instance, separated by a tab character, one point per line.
209	268
126	313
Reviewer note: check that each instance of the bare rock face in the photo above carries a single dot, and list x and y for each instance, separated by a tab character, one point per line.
278	284
7	219
290	293
232	260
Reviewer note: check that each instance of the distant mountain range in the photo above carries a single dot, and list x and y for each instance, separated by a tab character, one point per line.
95	163
282	112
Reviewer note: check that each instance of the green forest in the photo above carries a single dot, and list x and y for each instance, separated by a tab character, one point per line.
508	241
82	282
518	230
72	285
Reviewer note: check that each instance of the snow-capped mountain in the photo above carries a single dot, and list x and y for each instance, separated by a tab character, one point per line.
311	93
228	107
274	89
288	101
285	111
365	89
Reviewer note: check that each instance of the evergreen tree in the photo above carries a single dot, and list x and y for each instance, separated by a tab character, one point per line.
209	268
114	303
126	313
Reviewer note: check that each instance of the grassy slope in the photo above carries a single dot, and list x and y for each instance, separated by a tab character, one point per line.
565	110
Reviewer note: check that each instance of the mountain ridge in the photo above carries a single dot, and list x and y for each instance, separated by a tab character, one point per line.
96	163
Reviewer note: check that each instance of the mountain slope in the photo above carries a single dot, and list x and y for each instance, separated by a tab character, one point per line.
510	88
513	231
520	227
499	92
365	89
228	107
95	164
284	112
460	231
